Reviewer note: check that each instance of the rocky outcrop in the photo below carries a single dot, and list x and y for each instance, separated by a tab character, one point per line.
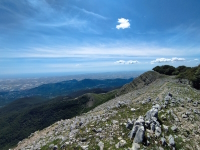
149	122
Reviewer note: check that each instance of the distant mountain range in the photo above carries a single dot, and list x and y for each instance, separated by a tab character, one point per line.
51	90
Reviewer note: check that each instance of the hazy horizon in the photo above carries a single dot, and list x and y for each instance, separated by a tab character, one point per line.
65	74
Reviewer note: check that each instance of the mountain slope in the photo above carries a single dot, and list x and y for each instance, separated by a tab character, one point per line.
141	81
16	125
159	119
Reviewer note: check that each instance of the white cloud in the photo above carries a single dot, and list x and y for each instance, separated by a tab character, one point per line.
132	62
196	59
160	60
163	60
127	62
123	23
120	62
177	59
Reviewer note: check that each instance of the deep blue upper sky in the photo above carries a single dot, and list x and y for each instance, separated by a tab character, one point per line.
80	36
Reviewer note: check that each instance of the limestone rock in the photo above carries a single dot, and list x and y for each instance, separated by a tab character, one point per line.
158	131
174	128
133	109
151	113
135	146
163	141
55	147
84	147
133	131
165	128
171	140
121	143
101	145
184	116
139	137
129	124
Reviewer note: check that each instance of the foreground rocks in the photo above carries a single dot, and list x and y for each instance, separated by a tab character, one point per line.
149	124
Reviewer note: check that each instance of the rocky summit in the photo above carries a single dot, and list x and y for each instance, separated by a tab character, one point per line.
161	113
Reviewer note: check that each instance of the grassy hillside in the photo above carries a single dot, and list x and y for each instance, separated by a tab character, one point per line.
19	120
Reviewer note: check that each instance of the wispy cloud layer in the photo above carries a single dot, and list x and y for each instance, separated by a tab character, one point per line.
164	60
98	51
69	22
123	23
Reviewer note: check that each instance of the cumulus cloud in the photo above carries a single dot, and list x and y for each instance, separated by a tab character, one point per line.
163	60
127	62
132	62
196	59
177	59
123	23
120	62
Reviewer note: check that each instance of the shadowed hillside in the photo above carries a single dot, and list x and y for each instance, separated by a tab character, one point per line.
26	115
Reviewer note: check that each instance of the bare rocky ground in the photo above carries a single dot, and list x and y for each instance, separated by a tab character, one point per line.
162	115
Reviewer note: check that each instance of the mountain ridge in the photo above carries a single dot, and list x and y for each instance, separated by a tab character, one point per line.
141	81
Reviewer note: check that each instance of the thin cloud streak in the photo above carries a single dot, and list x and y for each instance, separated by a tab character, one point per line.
71	22
90	13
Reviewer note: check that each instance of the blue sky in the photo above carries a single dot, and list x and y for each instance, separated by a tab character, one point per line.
82	36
